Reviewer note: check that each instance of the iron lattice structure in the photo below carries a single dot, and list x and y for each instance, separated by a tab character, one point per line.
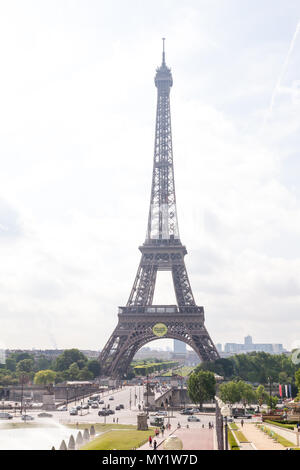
162	250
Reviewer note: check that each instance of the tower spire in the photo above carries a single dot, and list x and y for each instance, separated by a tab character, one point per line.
162	220
163	54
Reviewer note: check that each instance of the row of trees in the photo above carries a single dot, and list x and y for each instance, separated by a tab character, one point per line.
255	367
72	364
154	367
202	388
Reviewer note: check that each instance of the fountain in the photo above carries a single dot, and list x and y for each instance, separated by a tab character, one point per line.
71	445
41	435
79	440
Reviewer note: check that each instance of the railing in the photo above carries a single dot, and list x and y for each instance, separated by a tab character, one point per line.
161	309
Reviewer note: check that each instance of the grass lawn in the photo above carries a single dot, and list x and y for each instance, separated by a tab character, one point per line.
101	427
119	440
241	437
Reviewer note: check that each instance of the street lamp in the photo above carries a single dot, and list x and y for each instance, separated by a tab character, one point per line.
225	411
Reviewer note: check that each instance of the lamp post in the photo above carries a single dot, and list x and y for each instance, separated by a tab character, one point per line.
219	424
225	410
270	391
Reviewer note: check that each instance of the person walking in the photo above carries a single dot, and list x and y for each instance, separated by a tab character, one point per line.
242	423
154	444
150	441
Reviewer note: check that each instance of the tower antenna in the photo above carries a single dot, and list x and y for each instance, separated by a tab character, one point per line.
164	55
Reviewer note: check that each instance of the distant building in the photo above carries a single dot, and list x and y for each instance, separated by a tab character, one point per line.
249	346
179	347
219	347
50	353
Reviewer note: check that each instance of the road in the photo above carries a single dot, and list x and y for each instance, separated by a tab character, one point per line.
124	416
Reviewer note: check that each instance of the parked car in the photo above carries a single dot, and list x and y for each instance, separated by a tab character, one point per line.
27	418
103	413
121	406
74	411
111	398
101	402
86	406
45	415
6	416
118	407
94	405
162	413
111	412
78	407
193	418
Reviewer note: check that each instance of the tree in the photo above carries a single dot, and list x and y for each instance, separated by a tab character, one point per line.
25	365
247	393
261	395
272	402
73	371
44	377
297	379
201	387
11	363
230	392
85	374
68	357
94	367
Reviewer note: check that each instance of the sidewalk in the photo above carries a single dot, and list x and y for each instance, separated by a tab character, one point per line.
260	440
159	440
192	439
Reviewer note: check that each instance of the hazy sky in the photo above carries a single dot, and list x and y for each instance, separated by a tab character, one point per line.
76	146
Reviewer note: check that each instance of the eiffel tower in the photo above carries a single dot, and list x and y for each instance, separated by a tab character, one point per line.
140	321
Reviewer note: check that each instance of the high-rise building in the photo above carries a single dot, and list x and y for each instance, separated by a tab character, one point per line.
179	347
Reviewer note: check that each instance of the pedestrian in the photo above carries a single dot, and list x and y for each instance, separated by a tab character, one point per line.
113	420
187	426
154	444
242	423
162	432
150	441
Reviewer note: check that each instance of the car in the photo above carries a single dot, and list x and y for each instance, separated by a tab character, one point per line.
186	412
94	405
157	421
118	408
101	402
162	413
62	408
27	418
86	406
45	415
103	413
193	418
241	416
111	412
6	416
121	406
78	407
73	411
111	398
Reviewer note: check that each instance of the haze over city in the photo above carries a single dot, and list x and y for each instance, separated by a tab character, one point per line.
76	145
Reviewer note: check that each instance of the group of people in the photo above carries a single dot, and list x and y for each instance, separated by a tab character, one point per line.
154	442
157	432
